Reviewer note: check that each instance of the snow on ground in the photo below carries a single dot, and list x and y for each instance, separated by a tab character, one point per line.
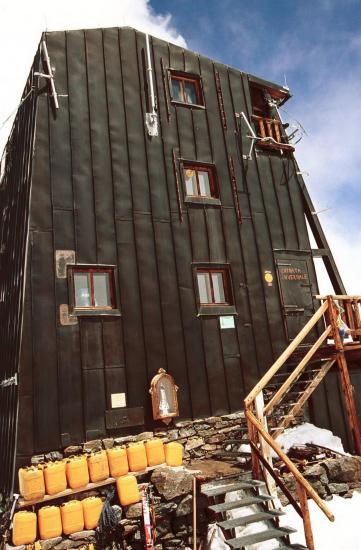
342	534
308	433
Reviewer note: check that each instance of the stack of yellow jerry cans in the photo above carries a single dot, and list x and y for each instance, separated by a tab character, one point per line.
76	472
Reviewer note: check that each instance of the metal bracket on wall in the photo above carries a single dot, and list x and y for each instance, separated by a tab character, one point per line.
12	381
49	75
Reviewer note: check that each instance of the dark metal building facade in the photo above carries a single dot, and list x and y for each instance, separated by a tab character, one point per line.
103	188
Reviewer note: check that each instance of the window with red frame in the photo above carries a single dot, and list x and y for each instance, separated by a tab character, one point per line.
186	89
93	288
214	287
200	181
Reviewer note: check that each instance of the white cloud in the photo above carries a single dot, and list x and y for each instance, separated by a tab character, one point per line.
21	25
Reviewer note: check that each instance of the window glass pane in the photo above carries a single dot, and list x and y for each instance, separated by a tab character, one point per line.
101	289
204	187
218	289
191	182
177	90
204	288
82	290
191	92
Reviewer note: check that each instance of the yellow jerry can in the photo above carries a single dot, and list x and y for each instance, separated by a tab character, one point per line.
31	483
174	453
72	517
77	473
127	488
155	452
92	508
49	519
137	457
118	461
54	477
98	466
24	528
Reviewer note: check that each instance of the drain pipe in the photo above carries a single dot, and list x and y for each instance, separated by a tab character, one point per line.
151	119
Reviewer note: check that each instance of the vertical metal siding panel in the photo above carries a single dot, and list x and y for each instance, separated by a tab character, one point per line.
91	343
215	368
85	231
285	205
136	366
117	124
296	198
100	149
115	382
94	402
176	357
113	347
198	233
214	221
44	343
40	208
272	207
135	122
152	322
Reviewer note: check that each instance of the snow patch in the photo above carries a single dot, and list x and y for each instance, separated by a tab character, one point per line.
308	433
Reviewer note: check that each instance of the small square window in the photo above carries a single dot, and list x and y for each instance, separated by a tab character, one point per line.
186	88
200	183
91	288
214	287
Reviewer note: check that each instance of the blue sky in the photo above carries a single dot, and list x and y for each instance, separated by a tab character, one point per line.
316	44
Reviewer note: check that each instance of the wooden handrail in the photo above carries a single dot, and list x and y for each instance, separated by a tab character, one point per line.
296	372
286	354
338	297
291	467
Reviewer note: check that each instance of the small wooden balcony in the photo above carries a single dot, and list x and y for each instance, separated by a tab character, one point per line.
270	130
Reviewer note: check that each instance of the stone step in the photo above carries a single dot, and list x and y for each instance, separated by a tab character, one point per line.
230	487
251	518
232	453
247	501
235	441
240	542
293	547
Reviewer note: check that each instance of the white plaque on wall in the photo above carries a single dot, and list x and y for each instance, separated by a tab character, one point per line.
118	400
226	321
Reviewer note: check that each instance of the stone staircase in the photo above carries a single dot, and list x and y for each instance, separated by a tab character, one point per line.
246	493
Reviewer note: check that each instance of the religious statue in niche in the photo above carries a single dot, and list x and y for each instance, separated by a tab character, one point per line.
163	391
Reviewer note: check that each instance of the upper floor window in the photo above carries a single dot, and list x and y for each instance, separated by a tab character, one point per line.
214	286
199	181
92	288
186	88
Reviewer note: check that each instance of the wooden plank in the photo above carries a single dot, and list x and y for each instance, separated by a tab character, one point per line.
286	354
296	372
302	496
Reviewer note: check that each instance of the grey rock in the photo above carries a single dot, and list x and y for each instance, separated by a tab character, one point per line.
174	543
134	511
316	471
91	446
22	547
343	470
144	436
200	427
108	442
130	530
164	508
65	545
219	438
171	482
194	443
212	419
233	416
208	447
124	439
73	450
187	432
164	527
118	512
172	435
183	424
50	543
185	506
54	455
338	488
37	459
82	535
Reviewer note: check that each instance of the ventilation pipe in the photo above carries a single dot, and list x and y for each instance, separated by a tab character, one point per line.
151	119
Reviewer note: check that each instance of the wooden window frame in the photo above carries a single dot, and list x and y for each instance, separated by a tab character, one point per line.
216	308
186	77
93	309
213	199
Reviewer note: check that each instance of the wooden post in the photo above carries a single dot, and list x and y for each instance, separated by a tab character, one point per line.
345	380
265	448
252	434
302	495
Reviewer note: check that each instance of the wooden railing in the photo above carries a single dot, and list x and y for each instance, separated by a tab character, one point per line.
258	413
270	131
